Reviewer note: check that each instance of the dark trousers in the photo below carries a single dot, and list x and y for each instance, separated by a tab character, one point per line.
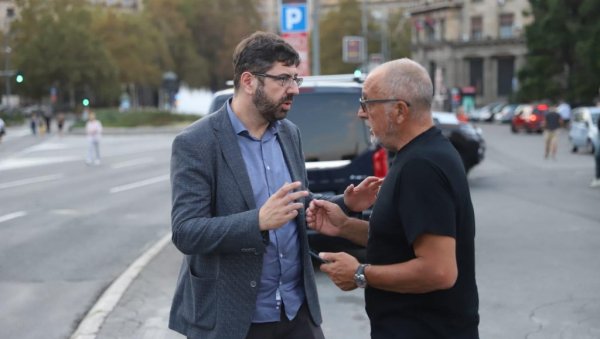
301	327
597	158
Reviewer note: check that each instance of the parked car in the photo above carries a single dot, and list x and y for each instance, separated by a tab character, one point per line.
487	112
506	114
529	118
583	132
337	146
467	139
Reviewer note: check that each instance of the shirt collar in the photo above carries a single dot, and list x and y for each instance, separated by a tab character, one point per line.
238	125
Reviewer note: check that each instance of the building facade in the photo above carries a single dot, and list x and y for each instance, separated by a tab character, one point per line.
471	45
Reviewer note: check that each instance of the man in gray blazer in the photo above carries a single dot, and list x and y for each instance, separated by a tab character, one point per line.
239	189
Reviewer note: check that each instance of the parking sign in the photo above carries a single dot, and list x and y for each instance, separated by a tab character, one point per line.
294	18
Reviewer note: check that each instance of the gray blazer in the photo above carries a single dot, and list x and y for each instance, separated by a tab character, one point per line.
215	224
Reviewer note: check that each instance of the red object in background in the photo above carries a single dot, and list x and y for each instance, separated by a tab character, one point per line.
380	163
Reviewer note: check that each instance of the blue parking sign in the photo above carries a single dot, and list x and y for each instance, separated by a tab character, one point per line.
293	18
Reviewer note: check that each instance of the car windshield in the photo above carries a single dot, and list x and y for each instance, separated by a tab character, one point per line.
328	122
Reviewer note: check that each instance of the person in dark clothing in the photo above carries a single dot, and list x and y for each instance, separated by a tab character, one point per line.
552	123
419	278
596	181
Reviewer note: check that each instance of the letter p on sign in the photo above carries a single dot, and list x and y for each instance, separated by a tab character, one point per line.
293	18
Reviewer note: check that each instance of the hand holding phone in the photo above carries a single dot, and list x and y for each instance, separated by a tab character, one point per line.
317	258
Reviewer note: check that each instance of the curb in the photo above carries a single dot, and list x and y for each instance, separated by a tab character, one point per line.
90	325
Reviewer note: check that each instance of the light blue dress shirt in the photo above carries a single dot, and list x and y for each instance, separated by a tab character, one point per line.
281	280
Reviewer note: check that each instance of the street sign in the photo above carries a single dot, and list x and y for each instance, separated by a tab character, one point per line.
299	41
294	18
353	49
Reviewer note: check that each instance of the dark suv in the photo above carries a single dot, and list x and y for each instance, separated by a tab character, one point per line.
337	146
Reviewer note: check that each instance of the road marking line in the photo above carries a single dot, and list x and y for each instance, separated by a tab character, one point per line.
138	184
90	325
131	163
12	216
30	181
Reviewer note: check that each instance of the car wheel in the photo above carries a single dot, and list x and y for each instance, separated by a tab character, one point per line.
513	128
574	149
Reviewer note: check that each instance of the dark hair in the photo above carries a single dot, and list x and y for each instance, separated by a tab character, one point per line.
258	52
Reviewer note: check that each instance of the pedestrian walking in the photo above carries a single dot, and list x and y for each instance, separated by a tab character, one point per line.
2	129
419	279
33	121
93	129
60	123
564	110
551	124
596	181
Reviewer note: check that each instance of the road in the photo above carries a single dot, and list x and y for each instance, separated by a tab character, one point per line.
67	230
67	236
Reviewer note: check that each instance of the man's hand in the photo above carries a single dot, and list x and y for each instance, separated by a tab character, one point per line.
280	207
340	269
325	217
363	196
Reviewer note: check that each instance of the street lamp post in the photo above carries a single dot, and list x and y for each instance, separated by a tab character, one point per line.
7	50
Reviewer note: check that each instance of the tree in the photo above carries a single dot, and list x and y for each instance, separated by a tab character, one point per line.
217	27
168	17
55	46
563	45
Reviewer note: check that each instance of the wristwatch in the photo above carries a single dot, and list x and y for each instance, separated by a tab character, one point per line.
359	276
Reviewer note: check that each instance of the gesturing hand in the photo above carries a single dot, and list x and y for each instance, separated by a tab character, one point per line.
280	207
325	217
363	196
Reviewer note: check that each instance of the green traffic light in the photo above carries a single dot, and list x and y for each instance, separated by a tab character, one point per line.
85	102
19	78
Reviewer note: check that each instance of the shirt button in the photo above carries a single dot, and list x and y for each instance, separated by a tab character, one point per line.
268	168
281	255
253	283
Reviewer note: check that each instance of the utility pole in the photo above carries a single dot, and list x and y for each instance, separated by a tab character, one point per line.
365	32
316	49
7	50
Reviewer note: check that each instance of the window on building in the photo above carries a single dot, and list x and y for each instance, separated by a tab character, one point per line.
476	28
442	30
506	73
430	29
506	25
476	74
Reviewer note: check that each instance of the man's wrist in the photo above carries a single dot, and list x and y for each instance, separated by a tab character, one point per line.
360	278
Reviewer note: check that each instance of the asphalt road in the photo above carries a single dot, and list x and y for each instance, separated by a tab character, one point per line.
538	231
67	229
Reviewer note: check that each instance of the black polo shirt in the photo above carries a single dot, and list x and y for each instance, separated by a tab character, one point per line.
425	191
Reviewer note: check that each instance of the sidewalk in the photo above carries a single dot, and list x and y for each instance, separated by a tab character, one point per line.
143	311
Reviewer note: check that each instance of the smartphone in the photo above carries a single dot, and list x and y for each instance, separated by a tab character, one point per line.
318	259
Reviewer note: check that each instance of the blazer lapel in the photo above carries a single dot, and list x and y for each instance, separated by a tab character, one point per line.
232	154
289	152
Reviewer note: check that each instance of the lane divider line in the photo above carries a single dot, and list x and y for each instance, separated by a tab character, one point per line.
138	184
29	181
12	216
90	325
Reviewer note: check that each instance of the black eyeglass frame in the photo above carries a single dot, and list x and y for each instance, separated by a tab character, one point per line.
285	80
364	102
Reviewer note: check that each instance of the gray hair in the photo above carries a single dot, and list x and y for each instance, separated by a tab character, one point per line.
407	80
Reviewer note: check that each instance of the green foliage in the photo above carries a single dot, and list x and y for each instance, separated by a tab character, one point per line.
346	20
114	118
563	46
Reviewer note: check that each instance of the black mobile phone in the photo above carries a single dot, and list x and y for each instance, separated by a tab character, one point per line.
318	259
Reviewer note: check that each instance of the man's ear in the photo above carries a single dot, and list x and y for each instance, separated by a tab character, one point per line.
400	113
247	82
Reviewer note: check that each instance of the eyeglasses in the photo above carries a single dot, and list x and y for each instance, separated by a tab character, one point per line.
364	102
285	80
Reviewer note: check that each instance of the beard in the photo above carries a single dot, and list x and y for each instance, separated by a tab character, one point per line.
270	110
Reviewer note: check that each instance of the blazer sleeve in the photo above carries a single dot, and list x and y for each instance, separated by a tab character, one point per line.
196	225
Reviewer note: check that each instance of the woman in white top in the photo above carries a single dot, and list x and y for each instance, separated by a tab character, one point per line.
93	129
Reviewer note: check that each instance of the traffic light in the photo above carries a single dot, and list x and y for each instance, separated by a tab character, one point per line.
358	75
19	78
85	102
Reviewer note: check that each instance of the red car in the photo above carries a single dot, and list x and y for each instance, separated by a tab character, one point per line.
529	118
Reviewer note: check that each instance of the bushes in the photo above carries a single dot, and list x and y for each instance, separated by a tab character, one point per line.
114	118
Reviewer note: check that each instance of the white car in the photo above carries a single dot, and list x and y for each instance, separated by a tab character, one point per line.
583	133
